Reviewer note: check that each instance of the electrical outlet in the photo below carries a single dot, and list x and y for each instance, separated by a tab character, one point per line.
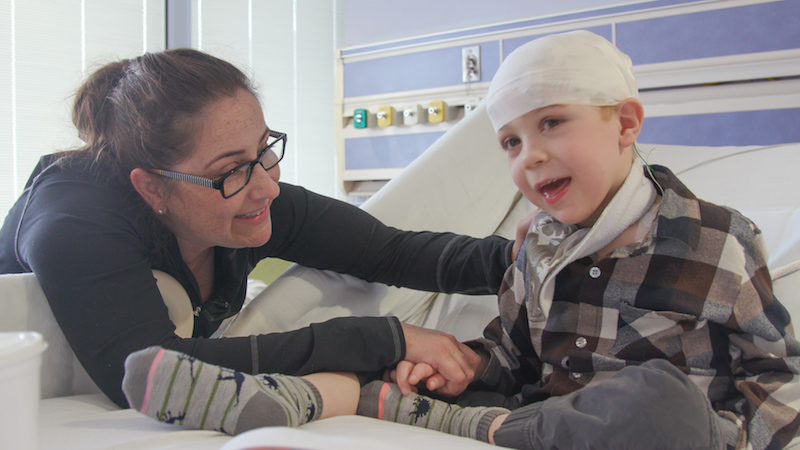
471	64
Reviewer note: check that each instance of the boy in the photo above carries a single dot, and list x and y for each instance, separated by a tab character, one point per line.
635	315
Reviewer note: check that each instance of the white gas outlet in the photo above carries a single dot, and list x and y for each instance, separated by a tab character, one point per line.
471	64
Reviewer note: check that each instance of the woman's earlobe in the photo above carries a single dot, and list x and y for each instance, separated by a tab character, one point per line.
149	188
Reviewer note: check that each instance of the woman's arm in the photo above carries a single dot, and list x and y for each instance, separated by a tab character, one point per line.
95	268
323	233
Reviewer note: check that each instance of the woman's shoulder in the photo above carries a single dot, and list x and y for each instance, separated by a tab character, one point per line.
62	208
62	197
61	188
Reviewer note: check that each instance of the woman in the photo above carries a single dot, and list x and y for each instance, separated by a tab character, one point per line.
179	173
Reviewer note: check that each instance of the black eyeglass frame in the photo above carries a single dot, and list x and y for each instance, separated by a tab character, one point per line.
219	183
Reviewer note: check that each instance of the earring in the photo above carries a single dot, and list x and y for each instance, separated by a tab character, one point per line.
160	211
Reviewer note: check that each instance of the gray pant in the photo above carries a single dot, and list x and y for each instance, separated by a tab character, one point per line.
654	405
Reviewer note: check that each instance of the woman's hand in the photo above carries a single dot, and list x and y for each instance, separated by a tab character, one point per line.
454	363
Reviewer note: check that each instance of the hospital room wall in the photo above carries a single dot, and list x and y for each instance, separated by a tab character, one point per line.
48	46
693	60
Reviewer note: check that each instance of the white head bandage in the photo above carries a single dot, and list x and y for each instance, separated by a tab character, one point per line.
576	68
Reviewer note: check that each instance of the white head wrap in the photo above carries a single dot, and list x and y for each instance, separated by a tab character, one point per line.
576	68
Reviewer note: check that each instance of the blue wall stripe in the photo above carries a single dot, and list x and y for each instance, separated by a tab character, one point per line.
511	44
747	29
776	126
386	152
522	24
429	69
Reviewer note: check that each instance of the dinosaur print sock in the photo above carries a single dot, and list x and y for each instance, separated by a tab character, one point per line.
175	388
384	401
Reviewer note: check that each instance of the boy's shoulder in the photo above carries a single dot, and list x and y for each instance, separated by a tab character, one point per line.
690	219
679	202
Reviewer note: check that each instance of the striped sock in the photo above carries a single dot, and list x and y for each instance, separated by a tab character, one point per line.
385	401
175	388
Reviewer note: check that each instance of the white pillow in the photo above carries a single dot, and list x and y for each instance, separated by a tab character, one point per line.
781	229
25	308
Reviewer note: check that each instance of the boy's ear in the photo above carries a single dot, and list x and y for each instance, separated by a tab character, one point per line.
150	187
631	115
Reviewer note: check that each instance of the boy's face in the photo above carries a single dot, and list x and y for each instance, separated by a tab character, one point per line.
568	160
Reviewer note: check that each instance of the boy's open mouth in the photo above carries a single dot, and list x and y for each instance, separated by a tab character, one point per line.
552	189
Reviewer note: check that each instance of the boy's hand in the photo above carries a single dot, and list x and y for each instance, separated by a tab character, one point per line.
453	362
408	375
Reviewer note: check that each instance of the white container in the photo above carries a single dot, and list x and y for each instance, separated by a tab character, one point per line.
20	375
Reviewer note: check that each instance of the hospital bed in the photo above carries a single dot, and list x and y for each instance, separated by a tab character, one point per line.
460	184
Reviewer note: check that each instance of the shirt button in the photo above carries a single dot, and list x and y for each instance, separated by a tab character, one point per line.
581	342
594	272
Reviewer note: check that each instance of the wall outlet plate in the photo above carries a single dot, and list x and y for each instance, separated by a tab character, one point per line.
471	64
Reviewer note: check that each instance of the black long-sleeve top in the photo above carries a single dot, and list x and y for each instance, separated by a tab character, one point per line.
93	247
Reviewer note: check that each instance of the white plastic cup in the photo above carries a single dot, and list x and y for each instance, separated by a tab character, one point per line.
20	389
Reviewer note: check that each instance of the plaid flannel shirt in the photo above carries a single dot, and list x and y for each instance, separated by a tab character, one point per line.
696	292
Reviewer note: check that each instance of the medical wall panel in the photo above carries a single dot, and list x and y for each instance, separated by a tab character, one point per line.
386	152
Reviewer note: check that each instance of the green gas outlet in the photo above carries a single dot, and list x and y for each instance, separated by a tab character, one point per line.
360	118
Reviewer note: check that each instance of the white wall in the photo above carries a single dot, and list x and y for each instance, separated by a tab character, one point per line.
288	47
372	21
45	48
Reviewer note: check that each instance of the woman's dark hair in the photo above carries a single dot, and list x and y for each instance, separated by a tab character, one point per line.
143	112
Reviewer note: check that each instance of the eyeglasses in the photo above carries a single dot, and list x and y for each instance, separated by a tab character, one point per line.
234	181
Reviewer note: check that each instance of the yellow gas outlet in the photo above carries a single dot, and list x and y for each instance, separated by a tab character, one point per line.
436	111
385	116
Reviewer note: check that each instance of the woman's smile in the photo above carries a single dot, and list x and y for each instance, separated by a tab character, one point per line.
254	216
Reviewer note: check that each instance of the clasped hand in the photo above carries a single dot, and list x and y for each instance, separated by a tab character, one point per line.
445	365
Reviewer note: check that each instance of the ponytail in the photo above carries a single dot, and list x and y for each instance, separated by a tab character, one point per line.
143	112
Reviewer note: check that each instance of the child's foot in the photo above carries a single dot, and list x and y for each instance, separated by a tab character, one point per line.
385	401
176	388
